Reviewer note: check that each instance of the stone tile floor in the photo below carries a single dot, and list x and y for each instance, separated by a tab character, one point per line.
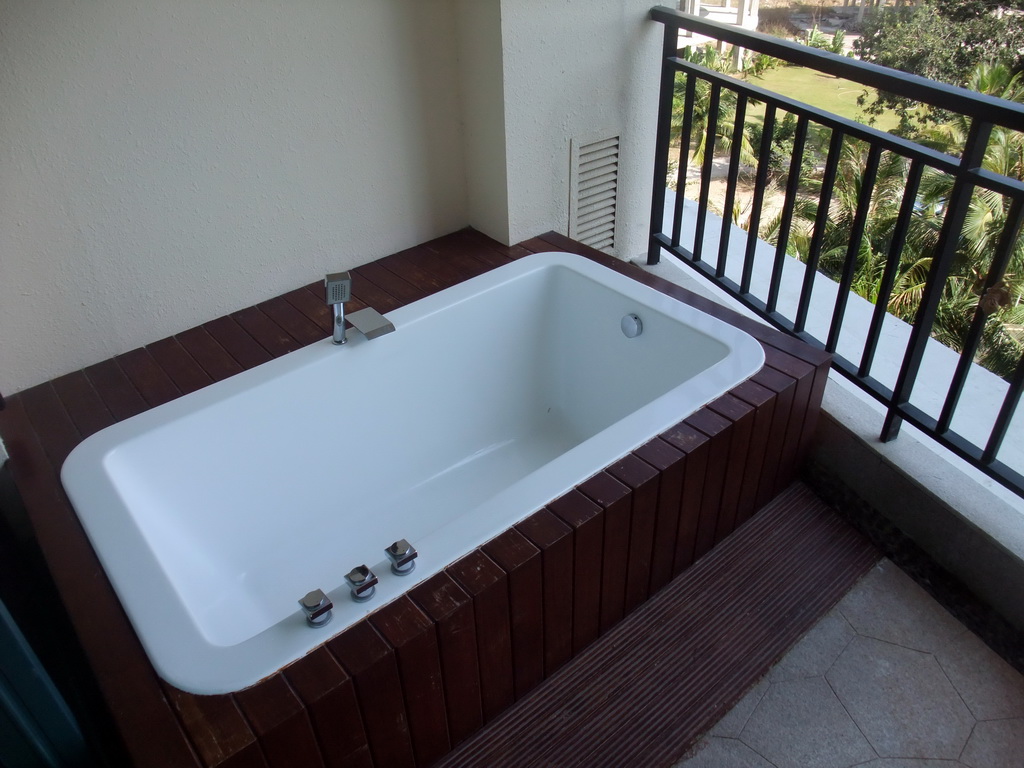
887	679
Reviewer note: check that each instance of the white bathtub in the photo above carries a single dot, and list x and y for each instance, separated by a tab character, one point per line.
213	514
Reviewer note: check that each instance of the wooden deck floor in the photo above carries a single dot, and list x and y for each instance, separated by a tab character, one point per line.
644	692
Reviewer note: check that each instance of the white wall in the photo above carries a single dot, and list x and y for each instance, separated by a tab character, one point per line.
163	163
573	69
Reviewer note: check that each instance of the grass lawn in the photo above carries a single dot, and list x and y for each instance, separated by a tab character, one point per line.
822	91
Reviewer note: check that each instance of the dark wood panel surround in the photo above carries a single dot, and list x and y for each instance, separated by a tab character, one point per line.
426	672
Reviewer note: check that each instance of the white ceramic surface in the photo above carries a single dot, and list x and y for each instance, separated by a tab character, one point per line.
214	513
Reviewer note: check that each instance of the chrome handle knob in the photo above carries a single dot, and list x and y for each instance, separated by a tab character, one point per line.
402	556
363	583
317	607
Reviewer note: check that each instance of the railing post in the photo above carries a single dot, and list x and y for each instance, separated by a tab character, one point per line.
760	184
942	261
860	221
788	205
710	134
668	78
684	158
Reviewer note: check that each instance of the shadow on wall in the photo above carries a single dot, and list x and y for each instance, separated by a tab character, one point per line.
433	133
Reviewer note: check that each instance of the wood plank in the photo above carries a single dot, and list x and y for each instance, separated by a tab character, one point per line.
813	413
470	244
521	561
587	523
246	351
555	241
784	388
268	334
671	465
422	268
209	354
83	404
642	480
487	584
148	377
311	302
451	610
554	540
696	446
794	347
218	730
115	390
762	401
538	245
803	374
180	367
806	581
737	478
719	669
372	665
414	639
280	723
292	321
361	759
447	258
717	430
371	294
329	696
390	283
613	498
51	423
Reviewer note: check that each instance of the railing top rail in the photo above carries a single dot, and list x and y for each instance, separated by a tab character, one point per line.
949	97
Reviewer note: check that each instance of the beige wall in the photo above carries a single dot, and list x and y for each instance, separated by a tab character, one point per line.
162	163
483	100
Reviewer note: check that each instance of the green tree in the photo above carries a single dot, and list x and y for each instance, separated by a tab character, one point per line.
943	40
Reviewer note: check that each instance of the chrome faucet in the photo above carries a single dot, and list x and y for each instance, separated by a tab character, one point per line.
338	287
368	321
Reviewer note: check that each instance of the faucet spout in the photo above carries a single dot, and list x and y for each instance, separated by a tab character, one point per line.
338	290
338	324
367	321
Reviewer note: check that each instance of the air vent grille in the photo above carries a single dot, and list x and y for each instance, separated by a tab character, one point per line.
593	191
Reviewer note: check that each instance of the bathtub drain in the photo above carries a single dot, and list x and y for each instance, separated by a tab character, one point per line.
631	326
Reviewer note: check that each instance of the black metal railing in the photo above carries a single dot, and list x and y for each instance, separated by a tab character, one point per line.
763	272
